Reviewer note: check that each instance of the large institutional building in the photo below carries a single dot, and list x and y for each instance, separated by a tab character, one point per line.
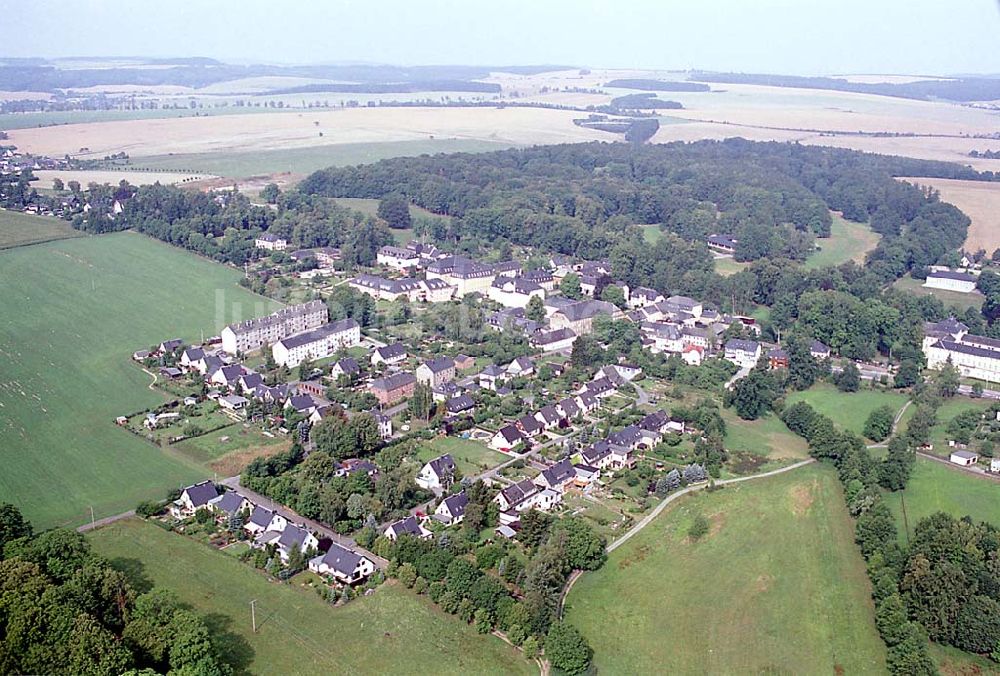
253	334
316	344
974	356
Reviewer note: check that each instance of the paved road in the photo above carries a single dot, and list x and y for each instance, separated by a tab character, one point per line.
105	521
987	394
342	540
643	396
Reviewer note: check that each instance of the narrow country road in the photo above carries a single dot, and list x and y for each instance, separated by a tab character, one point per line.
648	519
105	521
895	426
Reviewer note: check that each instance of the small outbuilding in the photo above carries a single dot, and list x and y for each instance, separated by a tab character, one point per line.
964	458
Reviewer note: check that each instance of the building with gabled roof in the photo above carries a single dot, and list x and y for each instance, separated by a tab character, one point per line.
252	334
318	343
408	526
438	473
343	565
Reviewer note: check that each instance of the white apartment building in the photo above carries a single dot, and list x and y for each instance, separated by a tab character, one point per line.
316	344
253	334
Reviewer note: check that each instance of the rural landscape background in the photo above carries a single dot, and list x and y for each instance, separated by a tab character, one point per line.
807	546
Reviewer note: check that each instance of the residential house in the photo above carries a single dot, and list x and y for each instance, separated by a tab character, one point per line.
249	382
303	404
642	296
343	565
347	366
384	425
557	476
467	276
194	497
819	351
549	417
514	291
722	243
397	258
464	362
407	526
460	404
685	304
515	494
317	343
568	408
743	353
554	341
529	426
231	503
434	372
390	354
270	242
693	355
777	358
227	376
520	367
579	316
492	376
233	402
252	334
586	475
296	537
437	474
451	511
393	388
506	438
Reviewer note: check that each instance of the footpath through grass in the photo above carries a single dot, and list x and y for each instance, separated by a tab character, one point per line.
391	632
18	229
777	586
73	312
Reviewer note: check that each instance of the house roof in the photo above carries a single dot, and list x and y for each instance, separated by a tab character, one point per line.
740	345
293	536
301	402
456	504
391	351
587	309
510	434
261	516
655	421
201	493
341	559
442	465
439	364
967	455
230	502
348	365
559	473
569	407
394	382
550	337
408	525
462	402
517	492
323	332
957	276
550	414
529	424
817	346
521	364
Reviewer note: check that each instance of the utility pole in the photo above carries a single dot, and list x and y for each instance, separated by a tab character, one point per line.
93	523
253	615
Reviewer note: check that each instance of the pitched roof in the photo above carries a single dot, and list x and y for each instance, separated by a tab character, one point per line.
348	365
408	525
587	309
550	414
261	516
517	492
341	559
293	536
510	434
957	276
323	332
456	504
394	382
391	351
230	502
439	364
201	493
442	465
559	473
740	345
529	424
462	402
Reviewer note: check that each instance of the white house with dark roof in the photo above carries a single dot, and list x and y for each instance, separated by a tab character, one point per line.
818	350
492	376
397	258
743	353
642	296
558	476
520	367
263	519
290	538
554	341
506	438
347	366
437	474
270	242
407	526
252	334
549	417
452	509
230	503
194	497
974	356
343	565
529	426
317	343
390	354
514	291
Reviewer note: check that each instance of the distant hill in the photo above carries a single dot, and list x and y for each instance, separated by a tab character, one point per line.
659	85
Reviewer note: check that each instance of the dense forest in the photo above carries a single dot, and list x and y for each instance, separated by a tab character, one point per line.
65	610
582	199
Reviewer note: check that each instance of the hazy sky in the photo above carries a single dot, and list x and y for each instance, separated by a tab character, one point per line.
778	36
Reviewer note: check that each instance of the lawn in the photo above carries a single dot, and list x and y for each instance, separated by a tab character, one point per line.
393	631
946	412
74	312
241	164
848	241
962	301
242	444
727	266
767	437
776	587
848	410
18	229
651	233
935	487
470	456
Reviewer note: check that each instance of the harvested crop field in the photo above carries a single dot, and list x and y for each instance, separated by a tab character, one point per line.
266	131
979	200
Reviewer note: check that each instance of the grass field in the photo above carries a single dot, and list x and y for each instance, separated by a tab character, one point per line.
954	662
307	160
18	229
768	437
114	176
651	233
948	410
470	456
848	410
393	631
962	301
776	587
729	266
228	458
934	487
74	312
848	241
